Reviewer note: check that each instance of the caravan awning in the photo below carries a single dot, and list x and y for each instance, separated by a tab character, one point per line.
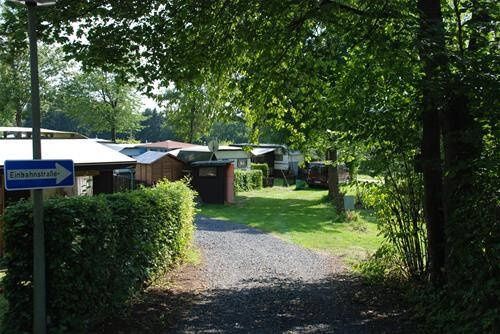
261	151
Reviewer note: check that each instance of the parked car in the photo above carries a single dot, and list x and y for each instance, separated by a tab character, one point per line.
317	174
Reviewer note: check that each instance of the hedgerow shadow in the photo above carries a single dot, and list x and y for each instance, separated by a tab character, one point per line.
339	304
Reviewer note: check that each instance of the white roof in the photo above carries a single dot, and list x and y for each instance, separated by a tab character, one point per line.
24	132
197	148
26	129
81	151
200	148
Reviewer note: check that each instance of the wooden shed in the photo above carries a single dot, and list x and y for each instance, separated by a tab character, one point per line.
152	166
214	181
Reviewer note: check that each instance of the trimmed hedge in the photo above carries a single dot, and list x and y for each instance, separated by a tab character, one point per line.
263	167
100	252
245	180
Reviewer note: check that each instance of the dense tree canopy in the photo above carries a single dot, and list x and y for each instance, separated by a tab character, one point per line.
412	83
102	102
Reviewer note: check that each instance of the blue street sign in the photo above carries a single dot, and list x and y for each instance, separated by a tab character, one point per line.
38	174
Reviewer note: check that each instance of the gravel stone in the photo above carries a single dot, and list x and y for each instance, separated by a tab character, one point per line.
257	283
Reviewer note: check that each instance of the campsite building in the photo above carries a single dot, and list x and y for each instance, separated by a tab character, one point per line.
239	157
280	159
94	163
152	166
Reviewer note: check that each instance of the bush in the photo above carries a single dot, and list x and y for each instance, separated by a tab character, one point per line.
245	180
100	252
382	266
262	167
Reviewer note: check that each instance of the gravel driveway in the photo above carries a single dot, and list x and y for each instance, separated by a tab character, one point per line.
256	283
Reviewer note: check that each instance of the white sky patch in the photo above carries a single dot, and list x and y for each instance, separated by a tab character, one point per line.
148	103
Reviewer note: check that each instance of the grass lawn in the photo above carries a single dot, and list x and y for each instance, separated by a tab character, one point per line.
302	217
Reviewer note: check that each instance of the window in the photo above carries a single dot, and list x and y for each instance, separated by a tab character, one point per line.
207	172
242	163
278	157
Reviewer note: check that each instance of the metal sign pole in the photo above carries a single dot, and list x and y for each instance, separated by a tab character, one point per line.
39	306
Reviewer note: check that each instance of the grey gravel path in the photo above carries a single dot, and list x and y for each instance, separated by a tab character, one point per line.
257	283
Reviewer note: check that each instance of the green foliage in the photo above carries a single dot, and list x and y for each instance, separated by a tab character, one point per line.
194	107
101	101
397	204
154	127
263	167
245	180
230	131
383	265
380	69
100	252
366	194
15	81
470	299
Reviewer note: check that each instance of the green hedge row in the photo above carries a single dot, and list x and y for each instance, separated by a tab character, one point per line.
245	180
263	167
100	252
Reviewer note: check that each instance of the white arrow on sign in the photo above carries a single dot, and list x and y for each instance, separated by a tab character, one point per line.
59	173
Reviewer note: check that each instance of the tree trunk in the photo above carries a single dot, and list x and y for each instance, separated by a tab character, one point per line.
434	61
462	140
191	125
462	144
333	182
113	134
19	115
19	104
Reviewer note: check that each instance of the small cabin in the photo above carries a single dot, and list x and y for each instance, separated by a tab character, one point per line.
214	180
152	166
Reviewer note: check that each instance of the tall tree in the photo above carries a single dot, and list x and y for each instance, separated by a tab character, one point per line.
102	102
14	67
154	127
433	55
193	107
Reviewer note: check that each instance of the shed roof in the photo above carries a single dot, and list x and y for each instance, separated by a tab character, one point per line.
211	163
81	151
150	157
167	144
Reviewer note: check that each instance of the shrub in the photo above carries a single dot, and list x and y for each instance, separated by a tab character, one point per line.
100	252
245	180
262	167
383	265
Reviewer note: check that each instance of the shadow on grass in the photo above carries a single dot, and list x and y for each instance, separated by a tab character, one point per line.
339	304
281	214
